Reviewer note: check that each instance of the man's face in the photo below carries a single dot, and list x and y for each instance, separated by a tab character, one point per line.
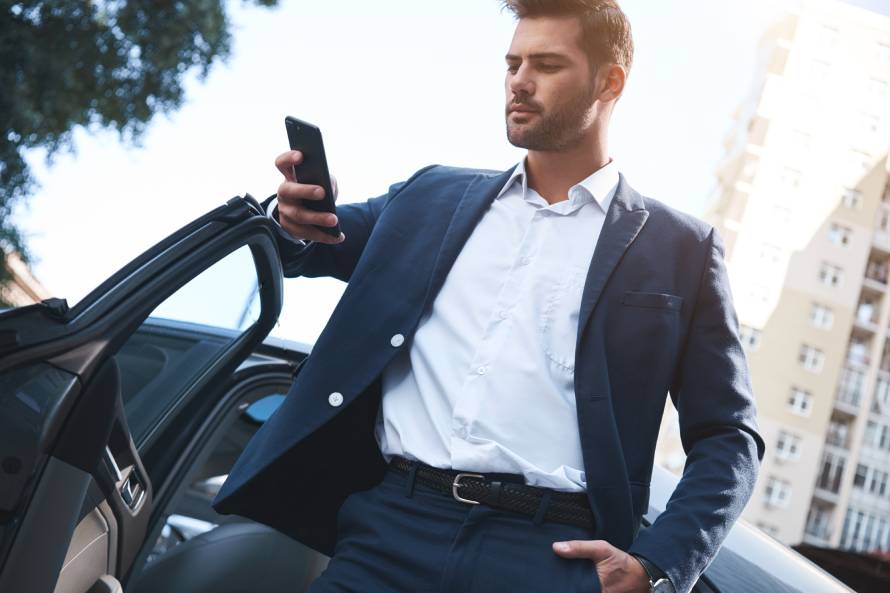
550	88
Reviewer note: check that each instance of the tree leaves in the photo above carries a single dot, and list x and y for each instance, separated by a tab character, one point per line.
111	64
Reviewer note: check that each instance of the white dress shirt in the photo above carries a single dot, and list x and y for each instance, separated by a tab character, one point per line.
487	382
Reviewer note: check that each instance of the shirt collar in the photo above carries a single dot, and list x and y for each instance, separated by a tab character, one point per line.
601	184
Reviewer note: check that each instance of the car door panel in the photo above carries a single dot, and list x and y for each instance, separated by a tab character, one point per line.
76	499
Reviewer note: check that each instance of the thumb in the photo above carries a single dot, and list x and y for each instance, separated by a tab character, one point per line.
596	550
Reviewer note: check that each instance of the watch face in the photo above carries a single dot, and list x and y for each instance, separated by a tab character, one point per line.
662	586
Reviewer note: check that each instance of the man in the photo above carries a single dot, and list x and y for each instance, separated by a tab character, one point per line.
480	412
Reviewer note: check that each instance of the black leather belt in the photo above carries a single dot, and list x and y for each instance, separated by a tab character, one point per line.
570	508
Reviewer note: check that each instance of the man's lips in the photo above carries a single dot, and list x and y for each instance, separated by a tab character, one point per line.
523	110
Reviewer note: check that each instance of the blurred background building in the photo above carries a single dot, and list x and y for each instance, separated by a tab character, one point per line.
803	205
19	287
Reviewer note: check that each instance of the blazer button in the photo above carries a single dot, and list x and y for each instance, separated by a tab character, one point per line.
397	340
335	399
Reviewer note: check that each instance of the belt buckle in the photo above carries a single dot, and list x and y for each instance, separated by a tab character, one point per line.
456	484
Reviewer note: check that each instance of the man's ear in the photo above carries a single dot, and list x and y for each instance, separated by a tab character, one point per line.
614	77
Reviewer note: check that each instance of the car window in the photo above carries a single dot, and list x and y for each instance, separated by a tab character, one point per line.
183	336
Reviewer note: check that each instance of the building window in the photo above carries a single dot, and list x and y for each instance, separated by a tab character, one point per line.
861	475
877	485
778	493
831	472
750	337
819	522
830	275
788	446
839	234
811	358
837	434
877	435
884	437
821	316
859	352
876	270
800	401
852	198
851	386
865	311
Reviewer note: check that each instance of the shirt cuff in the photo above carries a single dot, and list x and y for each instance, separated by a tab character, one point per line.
271	212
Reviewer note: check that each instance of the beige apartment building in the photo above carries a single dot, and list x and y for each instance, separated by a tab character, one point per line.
803	205
22	288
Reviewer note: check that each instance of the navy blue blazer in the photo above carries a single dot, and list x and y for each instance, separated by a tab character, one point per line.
656	318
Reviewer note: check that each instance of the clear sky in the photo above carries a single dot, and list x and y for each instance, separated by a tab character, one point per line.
394	86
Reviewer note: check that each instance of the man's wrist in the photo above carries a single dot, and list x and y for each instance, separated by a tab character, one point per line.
658	581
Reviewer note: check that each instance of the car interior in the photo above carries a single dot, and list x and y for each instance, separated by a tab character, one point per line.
186	546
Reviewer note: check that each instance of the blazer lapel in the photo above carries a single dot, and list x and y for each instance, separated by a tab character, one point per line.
476	200
626	216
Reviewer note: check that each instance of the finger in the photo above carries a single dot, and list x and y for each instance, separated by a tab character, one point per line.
291	192
296	215
596	550
310	233
285	163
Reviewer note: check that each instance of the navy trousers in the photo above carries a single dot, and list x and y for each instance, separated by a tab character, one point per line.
403	537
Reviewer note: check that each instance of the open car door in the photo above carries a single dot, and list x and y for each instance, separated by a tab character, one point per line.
76	495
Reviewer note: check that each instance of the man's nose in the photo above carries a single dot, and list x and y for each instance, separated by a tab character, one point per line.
521	83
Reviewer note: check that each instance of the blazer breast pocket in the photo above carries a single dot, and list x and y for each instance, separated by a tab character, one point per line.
652	300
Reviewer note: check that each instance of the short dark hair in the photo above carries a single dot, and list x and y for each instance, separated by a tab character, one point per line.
605	31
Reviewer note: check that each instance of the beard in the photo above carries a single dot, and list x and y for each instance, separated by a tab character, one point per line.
556	130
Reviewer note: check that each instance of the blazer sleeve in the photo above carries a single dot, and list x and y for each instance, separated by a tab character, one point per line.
357	220
718	427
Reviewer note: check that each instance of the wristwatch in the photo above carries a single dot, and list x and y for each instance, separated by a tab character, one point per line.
658	583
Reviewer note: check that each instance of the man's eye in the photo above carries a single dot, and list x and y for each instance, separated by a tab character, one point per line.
512	69
549	67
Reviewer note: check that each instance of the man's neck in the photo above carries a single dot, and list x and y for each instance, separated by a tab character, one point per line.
552	174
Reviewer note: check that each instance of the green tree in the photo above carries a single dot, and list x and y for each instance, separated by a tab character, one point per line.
100	64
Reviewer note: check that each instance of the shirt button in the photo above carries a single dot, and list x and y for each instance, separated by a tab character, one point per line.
525	261
503	314
335	399
397	340
481	370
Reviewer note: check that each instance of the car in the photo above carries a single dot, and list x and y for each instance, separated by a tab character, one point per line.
121	416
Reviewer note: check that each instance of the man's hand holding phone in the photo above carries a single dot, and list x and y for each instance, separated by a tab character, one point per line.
293	215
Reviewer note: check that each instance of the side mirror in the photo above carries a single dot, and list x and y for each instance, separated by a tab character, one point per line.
262	409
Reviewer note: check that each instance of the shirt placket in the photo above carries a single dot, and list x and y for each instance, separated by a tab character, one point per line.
479	374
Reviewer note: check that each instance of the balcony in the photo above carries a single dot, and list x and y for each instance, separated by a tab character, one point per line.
867	314
818	532
876	273
850	390
881	240
838	435
881	402
826	494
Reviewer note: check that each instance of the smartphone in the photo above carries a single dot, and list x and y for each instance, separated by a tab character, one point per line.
313	169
